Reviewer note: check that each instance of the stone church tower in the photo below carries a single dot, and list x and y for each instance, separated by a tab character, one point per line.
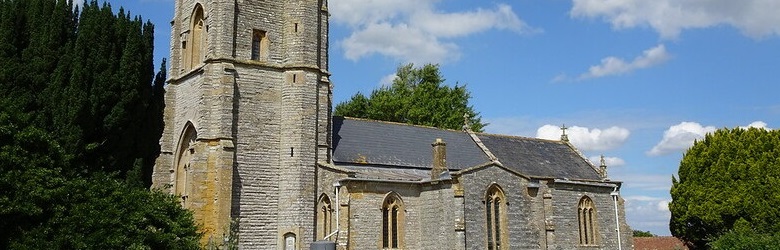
248	118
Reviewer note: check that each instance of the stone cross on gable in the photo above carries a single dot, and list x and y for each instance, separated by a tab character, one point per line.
564	137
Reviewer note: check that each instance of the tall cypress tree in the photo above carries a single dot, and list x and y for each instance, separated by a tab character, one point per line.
81	116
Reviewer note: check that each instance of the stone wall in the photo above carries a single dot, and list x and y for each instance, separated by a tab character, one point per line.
261	156
259	122
429	221
566	198
522	215
438	216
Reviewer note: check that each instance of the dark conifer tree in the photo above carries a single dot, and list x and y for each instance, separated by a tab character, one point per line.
80	122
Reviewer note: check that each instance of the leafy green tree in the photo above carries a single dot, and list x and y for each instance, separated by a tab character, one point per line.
742	237
31	174
417	96
731	175
639	233
41	200
101	212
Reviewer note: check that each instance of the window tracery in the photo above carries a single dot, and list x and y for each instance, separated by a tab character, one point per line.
392	222
495	210
586	214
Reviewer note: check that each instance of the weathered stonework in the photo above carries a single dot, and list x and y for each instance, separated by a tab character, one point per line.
250	139
259	123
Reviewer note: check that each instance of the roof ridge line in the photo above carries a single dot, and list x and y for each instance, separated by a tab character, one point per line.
581	155
519	137
481	145
397	123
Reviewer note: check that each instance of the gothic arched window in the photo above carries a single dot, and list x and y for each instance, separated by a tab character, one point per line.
194	49
495	211
324	217
586	214
186	150
392	221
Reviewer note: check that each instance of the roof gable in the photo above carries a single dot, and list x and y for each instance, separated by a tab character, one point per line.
359	142
537	157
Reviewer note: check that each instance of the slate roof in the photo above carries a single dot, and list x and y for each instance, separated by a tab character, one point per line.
387	173
386	150
537	157
394	144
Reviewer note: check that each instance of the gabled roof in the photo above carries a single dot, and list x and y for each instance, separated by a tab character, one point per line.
537	157
359	143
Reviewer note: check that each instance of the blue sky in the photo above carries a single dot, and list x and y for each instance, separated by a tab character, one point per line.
637	81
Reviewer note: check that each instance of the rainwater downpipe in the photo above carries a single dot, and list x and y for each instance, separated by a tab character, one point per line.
336	186
614	194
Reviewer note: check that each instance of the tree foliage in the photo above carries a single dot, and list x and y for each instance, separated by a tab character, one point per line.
639	233
41	200
731	175
416	96
80	120
85	76
743	237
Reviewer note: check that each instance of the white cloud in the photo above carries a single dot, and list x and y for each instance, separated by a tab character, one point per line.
616	66
754	18
680	137
648	213
756	124
650	203
663	206
415	30
398	41
466	23
609	161
360	12
388	80
560	78
587	139
646	182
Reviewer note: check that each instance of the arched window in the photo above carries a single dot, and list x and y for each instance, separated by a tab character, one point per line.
185	153
289	241
324	217
495	211
194	49
259	45
586	214
392	221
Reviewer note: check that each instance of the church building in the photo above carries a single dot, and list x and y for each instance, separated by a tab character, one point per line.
251	147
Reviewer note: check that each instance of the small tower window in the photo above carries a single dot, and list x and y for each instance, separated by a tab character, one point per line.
289	241
259	45
197	38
